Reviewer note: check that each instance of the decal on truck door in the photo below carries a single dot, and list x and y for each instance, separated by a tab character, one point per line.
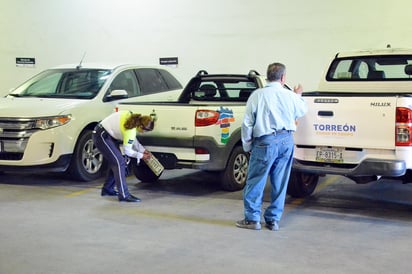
334	129
225	118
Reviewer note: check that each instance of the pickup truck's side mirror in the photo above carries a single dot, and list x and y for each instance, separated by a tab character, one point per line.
117	94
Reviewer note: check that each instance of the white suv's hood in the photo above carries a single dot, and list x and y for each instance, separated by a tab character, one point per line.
36	107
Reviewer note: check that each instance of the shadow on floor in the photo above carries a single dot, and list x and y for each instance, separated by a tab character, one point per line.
195	184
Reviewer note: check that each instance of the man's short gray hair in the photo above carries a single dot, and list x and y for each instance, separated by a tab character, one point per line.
275	71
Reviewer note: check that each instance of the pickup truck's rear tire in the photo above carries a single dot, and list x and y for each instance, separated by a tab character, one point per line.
143	172
302	184
87	163
233	178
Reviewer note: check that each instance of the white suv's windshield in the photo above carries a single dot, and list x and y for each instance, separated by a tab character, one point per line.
64	83
371	68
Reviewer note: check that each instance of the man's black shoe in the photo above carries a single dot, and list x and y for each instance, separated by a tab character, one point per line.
272	225
106	192
130	199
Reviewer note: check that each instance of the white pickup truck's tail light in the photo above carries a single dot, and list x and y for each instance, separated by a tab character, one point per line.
403	130
206	117
199	150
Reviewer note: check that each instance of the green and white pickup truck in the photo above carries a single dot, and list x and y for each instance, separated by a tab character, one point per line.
359	122
202	130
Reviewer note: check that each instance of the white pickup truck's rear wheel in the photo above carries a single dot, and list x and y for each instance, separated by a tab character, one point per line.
235	174
143	172
87	163
302	184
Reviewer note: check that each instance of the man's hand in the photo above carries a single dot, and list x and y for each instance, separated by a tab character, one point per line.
298	89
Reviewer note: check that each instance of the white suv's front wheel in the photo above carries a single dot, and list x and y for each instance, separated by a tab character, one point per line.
87	162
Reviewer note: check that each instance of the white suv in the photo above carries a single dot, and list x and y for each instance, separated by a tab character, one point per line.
47	122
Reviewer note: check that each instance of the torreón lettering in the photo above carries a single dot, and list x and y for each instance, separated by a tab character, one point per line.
337	128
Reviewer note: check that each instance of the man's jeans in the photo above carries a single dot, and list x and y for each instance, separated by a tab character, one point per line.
272	155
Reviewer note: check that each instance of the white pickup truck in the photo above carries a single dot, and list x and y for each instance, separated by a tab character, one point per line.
359	122
203	129
47	122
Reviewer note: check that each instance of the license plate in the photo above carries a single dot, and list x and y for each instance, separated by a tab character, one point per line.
329	154
155	165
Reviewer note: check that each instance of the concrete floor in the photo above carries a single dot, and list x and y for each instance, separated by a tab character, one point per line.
186	224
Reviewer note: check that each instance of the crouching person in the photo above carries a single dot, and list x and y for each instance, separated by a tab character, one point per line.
122	126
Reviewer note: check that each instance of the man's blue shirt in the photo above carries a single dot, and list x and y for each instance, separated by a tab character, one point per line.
269	109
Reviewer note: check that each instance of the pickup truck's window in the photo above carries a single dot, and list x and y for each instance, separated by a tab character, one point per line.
64	83
371	68
220	90
363	70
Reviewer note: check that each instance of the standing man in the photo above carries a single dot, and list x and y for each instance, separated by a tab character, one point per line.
267	133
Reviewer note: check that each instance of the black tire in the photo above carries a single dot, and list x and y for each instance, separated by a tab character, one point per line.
87	163
302	184
143	172
233	178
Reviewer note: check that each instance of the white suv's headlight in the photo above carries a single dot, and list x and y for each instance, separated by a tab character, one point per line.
50	122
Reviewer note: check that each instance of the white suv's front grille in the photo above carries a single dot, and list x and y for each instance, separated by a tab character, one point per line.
14	136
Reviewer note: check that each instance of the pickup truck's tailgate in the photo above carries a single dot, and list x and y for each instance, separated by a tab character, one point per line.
172	120
348	121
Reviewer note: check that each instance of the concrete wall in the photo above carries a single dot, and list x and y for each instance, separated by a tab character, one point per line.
217	35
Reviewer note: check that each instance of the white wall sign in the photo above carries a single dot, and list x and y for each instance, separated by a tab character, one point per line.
169	61
25	62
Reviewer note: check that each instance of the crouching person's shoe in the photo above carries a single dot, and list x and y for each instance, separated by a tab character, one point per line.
248	224
109	192
130	199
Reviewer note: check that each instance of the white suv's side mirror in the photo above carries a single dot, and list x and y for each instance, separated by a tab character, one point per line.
118	93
